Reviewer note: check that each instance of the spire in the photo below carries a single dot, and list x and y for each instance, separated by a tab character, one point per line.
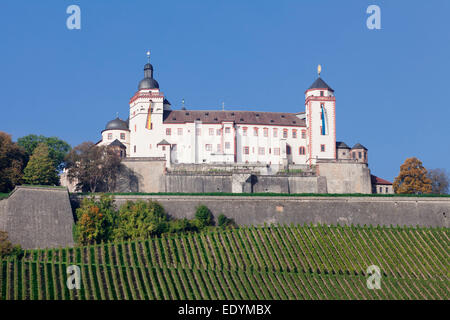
148	56
319	69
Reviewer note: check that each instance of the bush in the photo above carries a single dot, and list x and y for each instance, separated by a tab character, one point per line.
140	220
225	222
204	215
96	220
6	247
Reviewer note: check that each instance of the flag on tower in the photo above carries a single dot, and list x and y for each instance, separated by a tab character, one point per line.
148	124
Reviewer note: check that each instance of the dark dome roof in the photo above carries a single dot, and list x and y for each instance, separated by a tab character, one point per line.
116	124
148	83
148	66
320	84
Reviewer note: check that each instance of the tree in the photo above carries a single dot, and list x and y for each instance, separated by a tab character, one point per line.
12	162
93	167
204	215
439	181
58	148
140	220
412	178
95	220
41	169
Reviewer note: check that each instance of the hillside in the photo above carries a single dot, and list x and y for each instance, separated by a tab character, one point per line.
296	262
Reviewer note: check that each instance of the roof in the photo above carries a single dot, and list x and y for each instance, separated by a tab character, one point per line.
238	117
341	145
359	146
117	124
117	143
163	142
376	180
320	84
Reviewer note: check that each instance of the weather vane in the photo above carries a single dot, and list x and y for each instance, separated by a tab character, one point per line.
319	69
148	56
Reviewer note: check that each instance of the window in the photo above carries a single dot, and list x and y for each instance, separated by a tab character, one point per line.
301	151
266	132
218	132
354	155
219	148
244	131
109	136
208	147
134	149
246	150
387	190
227	130
285	133
321	93
322	148
255	132
168	131
275	132
359	155
180	131
122	136
365	156
261	151
134	128
276	151
381	190
294	134
303	134
227	145
198	131
163	148
211	131
288	149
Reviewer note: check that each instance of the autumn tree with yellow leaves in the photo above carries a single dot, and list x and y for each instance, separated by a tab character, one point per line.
413	178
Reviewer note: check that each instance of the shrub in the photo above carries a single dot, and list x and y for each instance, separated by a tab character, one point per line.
140	220
7	248
204	215
225	222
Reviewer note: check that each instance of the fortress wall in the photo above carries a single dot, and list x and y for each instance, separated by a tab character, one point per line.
346	177
374	211
38	217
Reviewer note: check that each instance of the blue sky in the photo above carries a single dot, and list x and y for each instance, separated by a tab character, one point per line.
391	84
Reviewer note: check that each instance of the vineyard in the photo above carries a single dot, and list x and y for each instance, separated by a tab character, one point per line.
296	262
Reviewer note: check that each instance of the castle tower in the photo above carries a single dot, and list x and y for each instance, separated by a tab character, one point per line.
146	114
320	106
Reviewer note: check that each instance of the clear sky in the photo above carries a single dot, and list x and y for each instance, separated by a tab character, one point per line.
391	85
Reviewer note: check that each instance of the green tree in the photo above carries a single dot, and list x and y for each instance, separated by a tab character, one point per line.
413	178
12	162
58	148
41	169
95	220
140	220
204	215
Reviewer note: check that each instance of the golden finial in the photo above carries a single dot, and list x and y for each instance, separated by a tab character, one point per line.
319	69
148	56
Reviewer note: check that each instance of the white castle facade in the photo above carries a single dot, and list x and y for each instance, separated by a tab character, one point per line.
183	136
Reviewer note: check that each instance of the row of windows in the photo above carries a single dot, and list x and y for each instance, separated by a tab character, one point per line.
360	155
276	151
218	132
122	136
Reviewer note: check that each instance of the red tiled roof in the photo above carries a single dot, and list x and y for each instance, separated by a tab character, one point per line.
238	117
376	180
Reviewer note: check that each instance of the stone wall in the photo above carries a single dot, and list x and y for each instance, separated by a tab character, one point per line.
374	211
345	176
142	175
38	217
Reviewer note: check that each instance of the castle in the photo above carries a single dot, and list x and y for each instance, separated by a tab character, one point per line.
277	140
